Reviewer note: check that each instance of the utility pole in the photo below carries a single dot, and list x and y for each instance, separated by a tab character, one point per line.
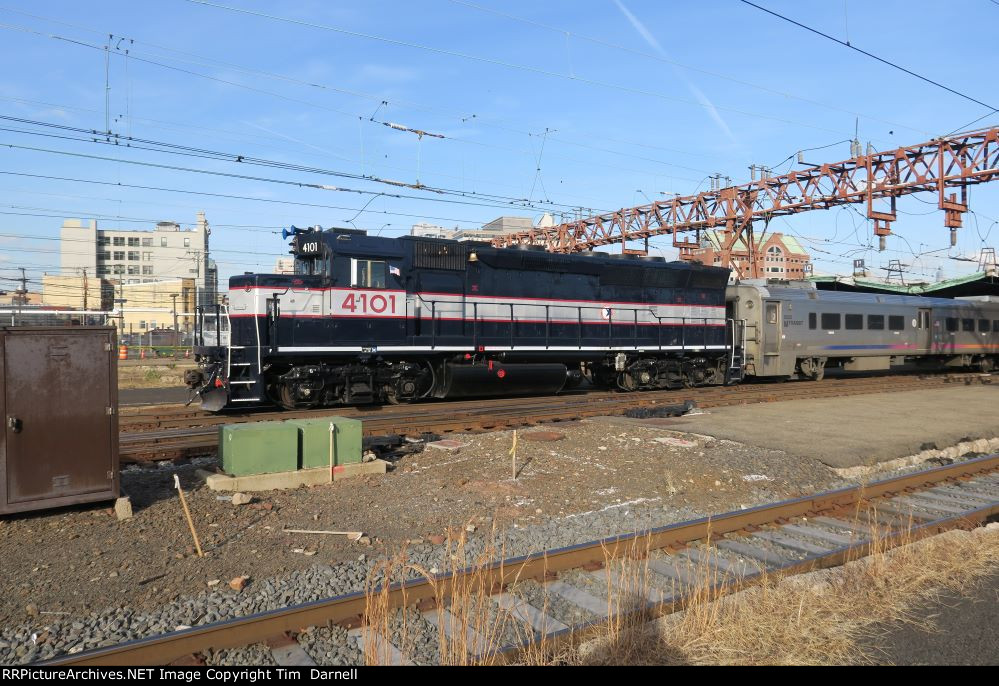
84	291
176	331
120	302
22	292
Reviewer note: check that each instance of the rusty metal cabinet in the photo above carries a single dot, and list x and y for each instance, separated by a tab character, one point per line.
59	401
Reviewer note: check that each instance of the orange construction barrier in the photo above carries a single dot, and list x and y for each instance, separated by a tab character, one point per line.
187	354
142	353
122	352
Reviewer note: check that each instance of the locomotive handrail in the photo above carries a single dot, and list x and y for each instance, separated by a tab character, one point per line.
661	321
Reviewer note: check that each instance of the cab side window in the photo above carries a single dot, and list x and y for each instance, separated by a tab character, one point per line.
367	273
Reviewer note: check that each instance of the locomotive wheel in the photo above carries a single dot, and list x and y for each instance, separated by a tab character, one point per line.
287	400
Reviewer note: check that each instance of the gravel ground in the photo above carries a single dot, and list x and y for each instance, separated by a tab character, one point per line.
240	657
598	480
330	646
552	604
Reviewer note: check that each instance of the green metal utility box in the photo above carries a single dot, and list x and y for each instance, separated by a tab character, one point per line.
314	441
258	448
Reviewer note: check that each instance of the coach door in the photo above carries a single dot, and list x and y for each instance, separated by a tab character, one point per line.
924	330
771	330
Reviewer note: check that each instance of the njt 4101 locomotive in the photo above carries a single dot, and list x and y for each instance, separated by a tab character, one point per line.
367	319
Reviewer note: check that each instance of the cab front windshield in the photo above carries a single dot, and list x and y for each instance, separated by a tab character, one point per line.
312	266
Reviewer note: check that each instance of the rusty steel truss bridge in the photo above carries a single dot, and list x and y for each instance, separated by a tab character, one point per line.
946	166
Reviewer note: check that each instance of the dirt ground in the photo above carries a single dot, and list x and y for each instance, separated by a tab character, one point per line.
83	559
159	375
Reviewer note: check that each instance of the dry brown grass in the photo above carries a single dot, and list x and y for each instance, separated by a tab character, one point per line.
827	617
824	617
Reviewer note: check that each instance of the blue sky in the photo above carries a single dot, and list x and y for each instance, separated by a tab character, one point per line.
593	104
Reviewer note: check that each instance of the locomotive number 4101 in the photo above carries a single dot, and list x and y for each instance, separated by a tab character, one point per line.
358	303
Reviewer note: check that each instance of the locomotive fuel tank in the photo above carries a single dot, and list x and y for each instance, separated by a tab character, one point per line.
495	378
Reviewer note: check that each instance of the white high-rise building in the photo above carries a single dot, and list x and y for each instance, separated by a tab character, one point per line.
132	256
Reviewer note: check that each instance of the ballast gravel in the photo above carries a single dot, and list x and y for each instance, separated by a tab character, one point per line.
630	485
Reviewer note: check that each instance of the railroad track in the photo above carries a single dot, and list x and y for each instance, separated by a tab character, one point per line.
657	571
152	437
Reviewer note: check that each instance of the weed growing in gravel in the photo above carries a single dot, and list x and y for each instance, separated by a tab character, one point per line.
470	627
823	617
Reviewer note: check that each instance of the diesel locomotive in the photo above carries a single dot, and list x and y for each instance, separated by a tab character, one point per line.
368	319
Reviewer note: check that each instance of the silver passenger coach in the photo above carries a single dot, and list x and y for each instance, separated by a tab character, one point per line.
793	330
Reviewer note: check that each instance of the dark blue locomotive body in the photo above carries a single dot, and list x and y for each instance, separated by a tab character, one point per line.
370	319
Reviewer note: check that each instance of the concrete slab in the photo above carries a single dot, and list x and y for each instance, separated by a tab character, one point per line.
385	653
279	480
291	654
856	430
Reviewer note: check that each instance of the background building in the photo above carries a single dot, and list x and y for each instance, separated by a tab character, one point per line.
777	256
127	257
497	227
284	265
150	306
77	292
432	231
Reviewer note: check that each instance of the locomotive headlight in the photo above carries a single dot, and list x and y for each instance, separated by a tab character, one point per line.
472	257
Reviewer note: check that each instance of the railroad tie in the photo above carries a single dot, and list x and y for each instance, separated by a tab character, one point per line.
729	570
679	571
579	597
792	542
288	653
637	586
906	513
932	505
443	619
385	652
960	493
858	529
876	519
752	552
818	534
978	489
953	501
527	613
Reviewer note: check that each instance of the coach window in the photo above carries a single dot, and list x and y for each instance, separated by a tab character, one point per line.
854	321
967	325
830	320
876	322
896	322
995	325
811	320
983	325
952	324
368	273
